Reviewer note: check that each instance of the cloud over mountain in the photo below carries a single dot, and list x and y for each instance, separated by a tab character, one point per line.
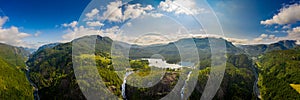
12	35
287	15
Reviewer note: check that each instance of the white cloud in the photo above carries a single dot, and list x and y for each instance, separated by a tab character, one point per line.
265	38
263	35
295	30
3	20
260	38
12	35
187	7
286	15
156	15
38	33
237	40
272	37
92	14
81	31
135	10
293	34
129	24
94	23
286	26
113	12
72	24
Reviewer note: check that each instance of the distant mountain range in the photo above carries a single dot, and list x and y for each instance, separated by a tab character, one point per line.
202	45
51	45
13	55
255	50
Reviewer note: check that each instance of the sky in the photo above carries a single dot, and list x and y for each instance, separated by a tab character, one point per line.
32	23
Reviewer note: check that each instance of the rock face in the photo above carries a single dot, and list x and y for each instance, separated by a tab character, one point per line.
158	91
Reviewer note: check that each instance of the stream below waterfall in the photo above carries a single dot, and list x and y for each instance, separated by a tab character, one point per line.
124	85
35	91
184	86
255	85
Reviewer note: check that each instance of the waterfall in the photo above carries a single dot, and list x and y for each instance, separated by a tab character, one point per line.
124	85
185	83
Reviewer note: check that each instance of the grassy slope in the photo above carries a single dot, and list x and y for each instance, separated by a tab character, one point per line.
13	83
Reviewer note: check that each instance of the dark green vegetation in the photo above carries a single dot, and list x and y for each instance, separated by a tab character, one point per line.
13	83
237	83
279	69
13	55
52	69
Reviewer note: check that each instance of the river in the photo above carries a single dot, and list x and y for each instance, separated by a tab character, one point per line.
36	90
184	86
255	85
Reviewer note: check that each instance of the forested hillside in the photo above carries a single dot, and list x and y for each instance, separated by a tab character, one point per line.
279	69
13	83
52	71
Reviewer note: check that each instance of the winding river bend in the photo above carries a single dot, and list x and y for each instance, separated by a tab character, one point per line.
36	90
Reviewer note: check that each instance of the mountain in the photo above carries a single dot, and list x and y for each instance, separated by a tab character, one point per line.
237	83
171	52
255	50
13	83
278	70
52	68
15	56
51	45
29	50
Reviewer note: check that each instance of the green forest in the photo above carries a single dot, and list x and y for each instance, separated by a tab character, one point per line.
277	70
51	69
13	82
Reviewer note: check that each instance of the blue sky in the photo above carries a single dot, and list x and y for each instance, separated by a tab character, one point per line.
44	21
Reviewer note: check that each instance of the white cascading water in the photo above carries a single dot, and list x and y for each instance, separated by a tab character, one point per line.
185	83
124	84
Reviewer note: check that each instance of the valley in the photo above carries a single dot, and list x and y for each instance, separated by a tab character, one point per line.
51	73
